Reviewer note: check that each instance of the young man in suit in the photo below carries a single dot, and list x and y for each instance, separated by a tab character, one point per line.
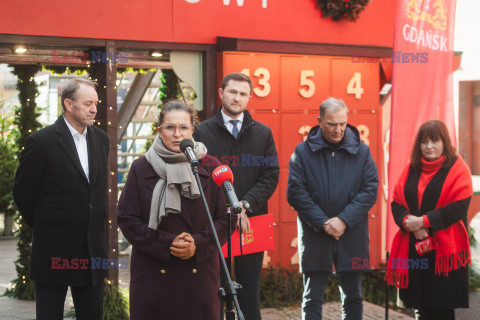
61	190
234	135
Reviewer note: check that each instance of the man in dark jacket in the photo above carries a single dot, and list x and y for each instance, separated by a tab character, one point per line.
247	146
332	184
60	189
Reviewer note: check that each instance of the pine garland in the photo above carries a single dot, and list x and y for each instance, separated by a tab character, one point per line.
169	90
342	9
26	121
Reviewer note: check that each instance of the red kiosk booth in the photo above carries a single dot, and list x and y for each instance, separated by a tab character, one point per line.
296	58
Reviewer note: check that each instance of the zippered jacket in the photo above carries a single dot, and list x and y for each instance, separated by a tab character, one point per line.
326	181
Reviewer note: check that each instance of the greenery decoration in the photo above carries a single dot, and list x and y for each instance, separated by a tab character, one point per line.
169	90
8	162
115	304
342	9
26	122
280	287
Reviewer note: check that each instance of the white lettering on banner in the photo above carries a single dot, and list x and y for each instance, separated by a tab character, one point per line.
239	2
425	39
227	2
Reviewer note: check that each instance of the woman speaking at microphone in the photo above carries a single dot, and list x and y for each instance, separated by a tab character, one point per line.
430	252
174	271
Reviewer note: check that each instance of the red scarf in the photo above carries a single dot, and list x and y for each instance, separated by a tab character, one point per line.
453	249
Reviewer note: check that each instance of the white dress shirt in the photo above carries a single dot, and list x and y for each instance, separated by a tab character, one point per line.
228	124
81	145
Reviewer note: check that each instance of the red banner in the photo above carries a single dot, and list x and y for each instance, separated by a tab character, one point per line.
258	239
422	79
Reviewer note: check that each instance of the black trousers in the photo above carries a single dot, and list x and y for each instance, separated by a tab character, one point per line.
50	301
434	314
248	270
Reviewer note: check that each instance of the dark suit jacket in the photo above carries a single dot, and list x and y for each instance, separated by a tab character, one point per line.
67	212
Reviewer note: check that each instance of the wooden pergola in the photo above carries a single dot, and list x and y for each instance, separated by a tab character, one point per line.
42	49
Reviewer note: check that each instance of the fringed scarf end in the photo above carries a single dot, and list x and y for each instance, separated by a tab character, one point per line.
400	280
444	265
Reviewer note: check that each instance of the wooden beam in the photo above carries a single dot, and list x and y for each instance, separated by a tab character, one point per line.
45	41
235	44
106	76
210	80
132	101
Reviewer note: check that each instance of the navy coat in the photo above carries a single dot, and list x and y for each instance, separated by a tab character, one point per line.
326	182
163	287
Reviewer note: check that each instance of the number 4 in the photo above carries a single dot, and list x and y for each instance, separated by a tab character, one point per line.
355	85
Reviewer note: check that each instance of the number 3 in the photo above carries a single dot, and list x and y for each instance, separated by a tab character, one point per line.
263	81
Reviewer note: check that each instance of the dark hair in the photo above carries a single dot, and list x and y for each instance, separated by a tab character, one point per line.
69	90
236	76
175	105
433	129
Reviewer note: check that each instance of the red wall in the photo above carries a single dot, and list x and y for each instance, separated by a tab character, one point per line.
201	22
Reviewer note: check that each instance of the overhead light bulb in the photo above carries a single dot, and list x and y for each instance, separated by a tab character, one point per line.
19	48
156	54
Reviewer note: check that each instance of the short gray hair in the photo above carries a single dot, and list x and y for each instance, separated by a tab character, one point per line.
332	104
69	90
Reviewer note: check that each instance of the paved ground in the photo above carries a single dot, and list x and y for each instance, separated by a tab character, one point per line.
11	309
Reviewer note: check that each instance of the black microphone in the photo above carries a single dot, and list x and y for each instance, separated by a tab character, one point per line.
223	177
186	145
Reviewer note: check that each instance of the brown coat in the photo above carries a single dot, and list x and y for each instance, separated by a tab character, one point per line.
163	287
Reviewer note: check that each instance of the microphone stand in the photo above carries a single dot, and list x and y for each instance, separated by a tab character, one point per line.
231	295
228	297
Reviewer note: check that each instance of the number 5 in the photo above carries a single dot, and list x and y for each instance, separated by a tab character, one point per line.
304	81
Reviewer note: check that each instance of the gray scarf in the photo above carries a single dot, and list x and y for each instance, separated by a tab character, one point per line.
176	179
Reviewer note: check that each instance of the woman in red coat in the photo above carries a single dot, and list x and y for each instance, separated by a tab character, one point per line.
430	204
174	265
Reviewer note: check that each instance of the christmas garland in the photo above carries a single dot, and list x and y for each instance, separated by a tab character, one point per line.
27	123
339	9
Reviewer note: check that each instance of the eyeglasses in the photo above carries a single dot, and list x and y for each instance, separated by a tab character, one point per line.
170	128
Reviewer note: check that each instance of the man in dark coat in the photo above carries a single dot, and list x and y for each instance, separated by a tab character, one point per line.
247	146
332	184
60	189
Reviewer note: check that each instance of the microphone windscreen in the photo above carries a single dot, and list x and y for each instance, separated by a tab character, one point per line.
222	174
186	143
